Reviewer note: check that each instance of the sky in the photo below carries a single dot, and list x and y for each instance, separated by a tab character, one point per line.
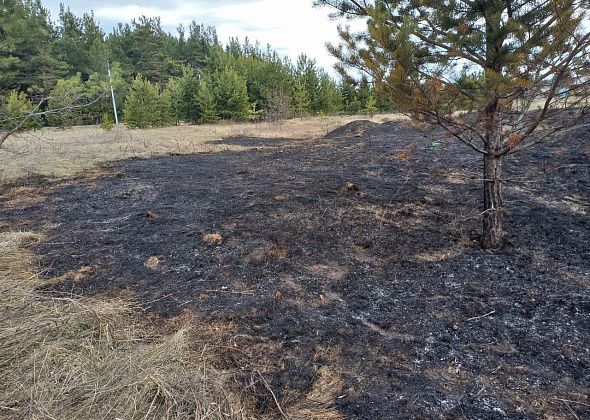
291	27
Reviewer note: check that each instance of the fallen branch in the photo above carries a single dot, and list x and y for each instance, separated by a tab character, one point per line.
571	401
493	311
234	292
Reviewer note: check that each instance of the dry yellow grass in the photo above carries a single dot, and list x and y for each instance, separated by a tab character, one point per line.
72	358
62	154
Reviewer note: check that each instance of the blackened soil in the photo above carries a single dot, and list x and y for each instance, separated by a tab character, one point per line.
358	255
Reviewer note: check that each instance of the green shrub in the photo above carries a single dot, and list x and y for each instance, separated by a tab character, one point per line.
205	103
106	122
17	108
231	95
371	106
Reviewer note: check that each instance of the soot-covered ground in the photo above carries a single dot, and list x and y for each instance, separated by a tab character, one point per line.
354	258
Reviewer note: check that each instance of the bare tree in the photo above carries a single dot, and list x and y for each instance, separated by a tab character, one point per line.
279	104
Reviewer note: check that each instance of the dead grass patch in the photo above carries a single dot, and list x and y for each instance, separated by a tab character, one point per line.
74	357
213	239
399	216
438	254
152	263
269	250
19	197
77	275
406	153
331	271
316	405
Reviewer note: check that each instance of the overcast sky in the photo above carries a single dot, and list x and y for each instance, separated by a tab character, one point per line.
290	26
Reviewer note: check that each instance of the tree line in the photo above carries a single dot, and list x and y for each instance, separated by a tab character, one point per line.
158	78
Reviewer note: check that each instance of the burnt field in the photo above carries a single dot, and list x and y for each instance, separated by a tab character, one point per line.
348	268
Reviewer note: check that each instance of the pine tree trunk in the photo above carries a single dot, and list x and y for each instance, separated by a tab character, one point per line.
493	235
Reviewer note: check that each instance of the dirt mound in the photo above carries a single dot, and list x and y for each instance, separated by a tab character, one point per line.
353	129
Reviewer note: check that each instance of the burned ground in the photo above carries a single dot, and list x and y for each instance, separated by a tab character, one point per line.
354	258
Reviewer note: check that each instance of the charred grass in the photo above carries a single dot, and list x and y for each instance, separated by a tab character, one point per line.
342	277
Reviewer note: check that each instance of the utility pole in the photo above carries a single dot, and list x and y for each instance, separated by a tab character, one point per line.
112	94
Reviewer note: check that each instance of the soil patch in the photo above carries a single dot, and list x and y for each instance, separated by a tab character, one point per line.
353	129
378	293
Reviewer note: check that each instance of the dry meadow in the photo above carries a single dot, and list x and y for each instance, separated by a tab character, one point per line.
63	153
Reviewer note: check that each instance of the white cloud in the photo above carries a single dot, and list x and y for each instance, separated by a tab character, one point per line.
292	26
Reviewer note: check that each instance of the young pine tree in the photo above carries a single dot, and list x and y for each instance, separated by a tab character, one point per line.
182	91
175	93
106	121
144	106
350	99
301	99
164	116
520	51
231	95
254	113
64	102
371	105
204	99
329	98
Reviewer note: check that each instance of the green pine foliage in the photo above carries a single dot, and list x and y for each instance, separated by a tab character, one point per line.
81	42
182	91
65	100
351	103
254	113
329	98
164	114
145	106
205	103
106	121
371	106
307	77
491	58
174	90
231	95
99	94
301	99
27	59
68	58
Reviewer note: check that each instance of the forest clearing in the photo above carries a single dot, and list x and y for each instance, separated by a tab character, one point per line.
382	215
